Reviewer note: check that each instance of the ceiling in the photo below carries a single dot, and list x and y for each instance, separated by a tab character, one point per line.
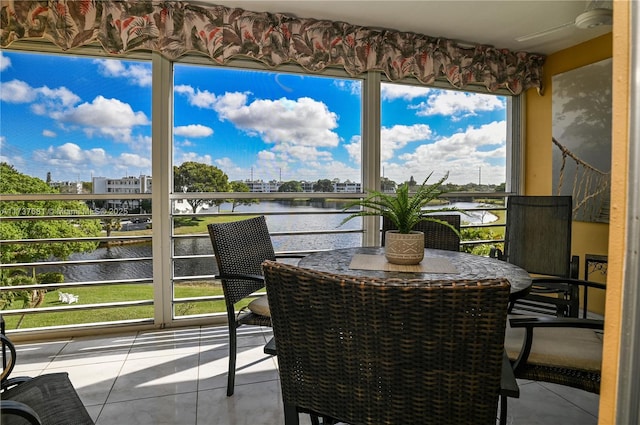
493	22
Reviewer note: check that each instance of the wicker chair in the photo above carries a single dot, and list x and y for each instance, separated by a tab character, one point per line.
436	235
538	239
240	247
366	351
48	399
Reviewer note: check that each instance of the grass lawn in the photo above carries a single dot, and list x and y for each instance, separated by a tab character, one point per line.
118	293
186	225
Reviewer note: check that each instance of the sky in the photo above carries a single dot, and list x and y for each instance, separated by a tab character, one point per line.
79	118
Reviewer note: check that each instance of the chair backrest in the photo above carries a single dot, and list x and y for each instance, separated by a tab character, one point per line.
436	235
538	234
390	351
240	247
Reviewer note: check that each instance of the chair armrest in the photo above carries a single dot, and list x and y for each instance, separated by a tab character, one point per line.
8	363
12	382
561	280
254	277
11	407
555	322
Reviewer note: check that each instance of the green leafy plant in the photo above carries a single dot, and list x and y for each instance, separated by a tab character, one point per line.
403	208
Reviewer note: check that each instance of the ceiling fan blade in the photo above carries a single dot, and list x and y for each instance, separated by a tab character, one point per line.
545	32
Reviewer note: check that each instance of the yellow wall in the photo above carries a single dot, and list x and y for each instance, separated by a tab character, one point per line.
588	238
591	237
617	238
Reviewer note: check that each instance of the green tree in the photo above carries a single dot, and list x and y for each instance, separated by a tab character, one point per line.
240	187
323	185
111	224
387	185
198	177
290	186
13	182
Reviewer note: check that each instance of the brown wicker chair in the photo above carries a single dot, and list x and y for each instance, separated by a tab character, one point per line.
366	351
48	399
240	247
436	235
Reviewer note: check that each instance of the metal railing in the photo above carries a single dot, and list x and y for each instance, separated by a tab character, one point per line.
129	273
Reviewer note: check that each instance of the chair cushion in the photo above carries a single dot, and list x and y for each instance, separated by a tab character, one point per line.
260	306
563	347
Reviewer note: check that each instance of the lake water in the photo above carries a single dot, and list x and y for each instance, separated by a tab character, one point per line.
200	246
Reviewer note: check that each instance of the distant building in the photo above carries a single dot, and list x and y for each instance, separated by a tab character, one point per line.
124	185
260	186
67	187
346	187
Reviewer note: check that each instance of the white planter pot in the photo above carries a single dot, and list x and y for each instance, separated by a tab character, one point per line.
404	248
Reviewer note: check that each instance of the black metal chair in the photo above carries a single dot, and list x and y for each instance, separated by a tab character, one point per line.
554	345
561	350
240	247
369	351
436	235
538	239
48	399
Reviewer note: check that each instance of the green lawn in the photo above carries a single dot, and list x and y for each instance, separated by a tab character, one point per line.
117	293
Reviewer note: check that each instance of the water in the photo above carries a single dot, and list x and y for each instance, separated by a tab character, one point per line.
202	246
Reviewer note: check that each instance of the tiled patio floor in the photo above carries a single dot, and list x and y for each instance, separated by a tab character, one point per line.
179	377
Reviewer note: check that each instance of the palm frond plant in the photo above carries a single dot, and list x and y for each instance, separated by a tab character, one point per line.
403	208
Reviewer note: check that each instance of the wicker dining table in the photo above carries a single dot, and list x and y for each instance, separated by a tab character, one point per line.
436	265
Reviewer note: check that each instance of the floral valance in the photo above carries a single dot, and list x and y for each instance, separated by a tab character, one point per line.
175	28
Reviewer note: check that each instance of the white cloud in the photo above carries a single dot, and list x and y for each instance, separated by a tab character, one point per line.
69	159
457	104
5	62
354	149
70	155
464	155
16	91
403	91
398	136
301	122
137	74
201	99
183	157
193	130
61	96
354	87
48	133
109	117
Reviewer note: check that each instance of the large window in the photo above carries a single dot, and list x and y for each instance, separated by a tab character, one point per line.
106	202
444	132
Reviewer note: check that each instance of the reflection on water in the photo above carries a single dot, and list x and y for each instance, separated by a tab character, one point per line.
202	245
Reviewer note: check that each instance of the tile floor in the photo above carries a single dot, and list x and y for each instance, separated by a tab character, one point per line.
179	377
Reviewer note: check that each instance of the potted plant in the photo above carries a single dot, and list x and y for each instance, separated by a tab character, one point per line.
404	209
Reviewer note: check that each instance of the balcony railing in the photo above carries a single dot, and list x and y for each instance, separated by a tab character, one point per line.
125	281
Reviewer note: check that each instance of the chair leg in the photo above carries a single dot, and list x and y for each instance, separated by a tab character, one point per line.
503	410
231	375
291	415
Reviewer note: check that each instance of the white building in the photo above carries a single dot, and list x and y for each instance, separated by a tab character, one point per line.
124	185
67	186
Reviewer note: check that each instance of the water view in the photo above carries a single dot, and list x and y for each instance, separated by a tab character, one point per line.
306	220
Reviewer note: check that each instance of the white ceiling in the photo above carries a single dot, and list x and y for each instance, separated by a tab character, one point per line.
493	22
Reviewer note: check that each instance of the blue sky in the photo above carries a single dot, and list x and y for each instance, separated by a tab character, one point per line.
83	117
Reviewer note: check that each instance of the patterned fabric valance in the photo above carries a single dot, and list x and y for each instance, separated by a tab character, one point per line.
174	28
